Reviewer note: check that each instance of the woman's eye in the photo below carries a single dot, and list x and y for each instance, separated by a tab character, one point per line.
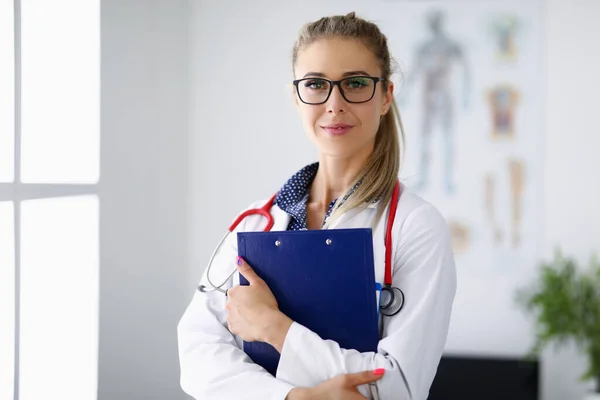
316	84
357	83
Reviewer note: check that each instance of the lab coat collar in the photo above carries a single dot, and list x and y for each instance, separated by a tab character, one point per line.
282	219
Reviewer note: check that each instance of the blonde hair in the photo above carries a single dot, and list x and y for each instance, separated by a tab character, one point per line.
380	173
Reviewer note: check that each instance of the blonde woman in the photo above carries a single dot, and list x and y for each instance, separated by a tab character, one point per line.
344	96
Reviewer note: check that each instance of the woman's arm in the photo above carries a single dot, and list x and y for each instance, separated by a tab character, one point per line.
414	339
213	366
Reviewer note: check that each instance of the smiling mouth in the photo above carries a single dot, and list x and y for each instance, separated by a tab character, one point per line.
337	129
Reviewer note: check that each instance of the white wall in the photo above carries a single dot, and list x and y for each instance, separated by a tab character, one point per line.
143	193
241	111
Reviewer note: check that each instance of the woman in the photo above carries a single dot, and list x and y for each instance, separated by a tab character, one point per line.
344	96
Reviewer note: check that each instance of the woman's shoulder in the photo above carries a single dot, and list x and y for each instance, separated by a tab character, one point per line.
421	235
415	214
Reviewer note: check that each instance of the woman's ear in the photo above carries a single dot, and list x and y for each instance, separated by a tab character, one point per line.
389	96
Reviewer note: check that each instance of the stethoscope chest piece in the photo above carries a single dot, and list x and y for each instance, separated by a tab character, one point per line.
392	301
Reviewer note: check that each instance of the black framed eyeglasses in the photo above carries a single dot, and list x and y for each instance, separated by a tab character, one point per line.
354	89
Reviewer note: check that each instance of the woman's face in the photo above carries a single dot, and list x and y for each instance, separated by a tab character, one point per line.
340	128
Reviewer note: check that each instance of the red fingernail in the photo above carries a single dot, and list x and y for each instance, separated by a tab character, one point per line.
378	371
239	260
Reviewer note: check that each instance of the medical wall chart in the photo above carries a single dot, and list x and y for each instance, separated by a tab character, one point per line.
472	113
471	100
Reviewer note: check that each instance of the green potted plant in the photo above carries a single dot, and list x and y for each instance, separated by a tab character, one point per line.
565	300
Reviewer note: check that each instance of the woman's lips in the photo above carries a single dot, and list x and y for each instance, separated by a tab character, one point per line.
337	129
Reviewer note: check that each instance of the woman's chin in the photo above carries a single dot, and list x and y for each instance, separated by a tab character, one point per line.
338	151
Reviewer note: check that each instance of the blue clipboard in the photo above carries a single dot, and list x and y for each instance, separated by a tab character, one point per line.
322	279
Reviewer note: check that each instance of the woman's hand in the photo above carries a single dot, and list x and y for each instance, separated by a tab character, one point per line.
342	387
252	311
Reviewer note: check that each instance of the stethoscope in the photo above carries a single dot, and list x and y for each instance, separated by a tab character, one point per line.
391	299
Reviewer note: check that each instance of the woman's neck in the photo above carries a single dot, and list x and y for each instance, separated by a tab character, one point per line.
333	178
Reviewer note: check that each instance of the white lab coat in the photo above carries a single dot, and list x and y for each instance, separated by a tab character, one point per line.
214	366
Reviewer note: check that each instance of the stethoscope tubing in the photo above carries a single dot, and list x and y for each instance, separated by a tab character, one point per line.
389	308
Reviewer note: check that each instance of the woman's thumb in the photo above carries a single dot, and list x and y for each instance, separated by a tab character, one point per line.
362	378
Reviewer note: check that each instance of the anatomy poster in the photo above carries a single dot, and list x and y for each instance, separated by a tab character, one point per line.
471	105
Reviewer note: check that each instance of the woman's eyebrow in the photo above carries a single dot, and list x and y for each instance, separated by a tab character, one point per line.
353	73
349	73
319	74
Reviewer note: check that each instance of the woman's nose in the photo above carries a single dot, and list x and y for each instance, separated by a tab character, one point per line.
336	103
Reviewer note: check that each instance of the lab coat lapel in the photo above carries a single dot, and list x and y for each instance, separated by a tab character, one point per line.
282	219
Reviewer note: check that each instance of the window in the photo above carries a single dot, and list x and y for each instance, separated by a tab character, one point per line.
49	207
7	300
60	55
7	91
59	298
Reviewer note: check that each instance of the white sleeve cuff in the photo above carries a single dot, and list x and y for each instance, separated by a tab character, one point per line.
296	349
